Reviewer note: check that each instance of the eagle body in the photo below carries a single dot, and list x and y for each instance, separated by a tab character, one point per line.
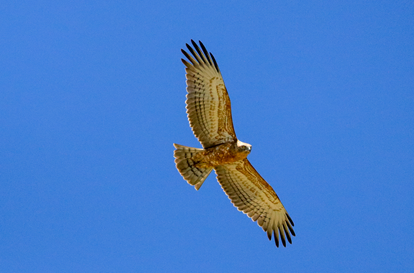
222	154
209	113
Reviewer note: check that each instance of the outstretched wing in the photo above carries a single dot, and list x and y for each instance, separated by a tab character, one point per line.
251	194
208	103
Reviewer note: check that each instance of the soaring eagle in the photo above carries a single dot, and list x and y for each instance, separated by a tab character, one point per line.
209	114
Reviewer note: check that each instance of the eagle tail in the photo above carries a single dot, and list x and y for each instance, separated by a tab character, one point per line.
184	160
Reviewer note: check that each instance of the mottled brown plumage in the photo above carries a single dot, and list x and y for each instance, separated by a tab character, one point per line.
209	114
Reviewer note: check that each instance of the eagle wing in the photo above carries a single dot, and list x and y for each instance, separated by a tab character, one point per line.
208	103
251	194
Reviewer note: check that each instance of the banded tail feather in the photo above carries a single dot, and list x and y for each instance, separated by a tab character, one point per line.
187	166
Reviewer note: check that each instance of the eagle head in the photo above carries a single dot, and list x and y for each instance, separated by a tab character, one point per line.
244	147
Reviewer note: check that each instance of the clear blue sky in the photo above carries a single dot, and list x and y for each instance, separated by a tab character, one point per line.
92	97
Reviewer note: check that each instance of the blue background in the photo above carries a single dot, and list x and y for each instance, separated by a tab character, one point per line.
92	97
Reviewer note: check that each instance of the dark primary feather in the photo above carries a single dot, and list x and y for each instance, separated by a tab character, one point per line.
199	51
187	64
282	237
290	225
194	54
290	219
215	63
189	57
205	52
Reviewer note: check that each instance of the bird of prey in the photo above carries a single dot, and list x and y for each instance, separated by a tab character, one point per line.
209	113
